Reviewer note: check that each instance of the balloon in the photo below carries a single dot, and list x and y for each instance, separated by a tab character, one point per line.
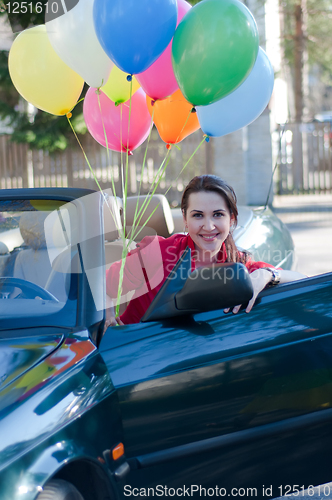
74	39
134	33
214	49
113	117
172	117
117	87
244	105
40	76
159	81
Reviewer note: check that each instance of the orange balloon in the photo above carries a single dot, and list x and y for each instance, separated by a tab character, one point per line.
173	118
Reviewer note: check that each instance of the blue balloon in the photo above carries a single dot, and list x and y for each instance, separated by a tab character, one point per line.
244	105
134	33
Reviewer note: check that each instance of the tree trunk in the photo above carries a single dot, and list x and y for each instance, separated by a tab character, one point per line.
299	48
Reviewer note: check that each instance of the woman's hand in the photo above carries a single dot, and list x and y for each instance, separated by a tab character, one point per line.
111	319
260	278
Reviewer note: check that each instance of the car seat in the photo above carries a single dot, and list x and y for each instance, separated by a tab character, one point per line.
33	263
157	216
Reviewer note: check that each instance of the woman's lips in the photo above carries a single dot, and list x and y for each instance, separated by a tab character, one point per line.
209	237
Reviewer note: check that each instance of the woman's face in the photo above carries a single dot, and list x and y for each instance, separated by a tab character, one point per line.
208	220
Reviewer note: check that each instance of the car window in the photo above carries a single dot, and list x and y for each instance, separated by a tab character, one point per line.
36	261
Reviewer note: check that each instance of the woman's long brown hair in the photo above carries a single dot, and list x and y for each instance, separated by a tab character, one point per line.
217	185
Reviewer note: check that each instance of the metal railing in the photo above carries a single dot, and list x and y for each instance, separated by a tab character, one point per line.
304	158
21	167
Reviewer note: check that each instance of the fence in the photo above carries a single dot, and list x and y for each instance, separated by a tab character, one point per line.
305	158
21	167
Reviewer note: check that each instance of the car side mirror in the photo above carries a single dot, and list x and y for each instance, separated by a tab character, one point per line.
205	289
215	287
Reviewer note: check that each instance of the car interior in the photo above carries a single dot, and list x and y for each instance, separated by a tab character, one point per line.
25	253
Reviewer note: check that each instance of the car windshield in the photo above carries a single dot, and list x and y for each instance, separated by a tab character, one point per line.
37	286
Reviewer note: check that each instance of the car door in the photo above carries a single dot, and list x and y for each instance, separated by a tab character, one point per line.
230	401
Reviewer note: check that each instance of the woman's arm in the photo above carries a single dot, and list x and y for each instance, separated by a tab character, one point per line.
261	278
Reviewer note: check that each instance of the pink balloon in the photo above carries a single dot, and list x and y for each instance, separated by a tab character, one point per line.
158	81
113	117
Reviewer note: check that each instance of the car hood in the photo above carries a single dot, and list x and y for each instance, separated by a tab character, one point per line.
19	355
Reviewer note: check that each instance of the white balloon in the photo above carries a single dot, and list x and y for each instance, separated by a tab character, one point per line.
73	37
244	105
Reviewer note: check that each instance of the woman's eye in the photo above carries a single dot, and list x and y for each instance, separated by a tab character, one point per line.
197	216
219	214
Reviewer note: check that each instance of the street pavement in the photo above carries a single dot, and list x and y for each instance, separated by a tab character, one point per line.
309	220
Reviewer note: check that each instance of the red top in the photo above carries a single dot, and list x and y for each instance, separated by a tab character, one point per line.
147	267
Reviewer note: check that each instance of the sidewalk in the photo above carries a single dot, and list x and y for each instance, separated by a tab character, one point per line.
309	219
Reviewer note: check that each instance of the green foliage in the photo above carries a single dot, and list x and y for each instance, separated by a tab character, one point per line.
21	20
43	131
317	23
53	133
48	132
320	36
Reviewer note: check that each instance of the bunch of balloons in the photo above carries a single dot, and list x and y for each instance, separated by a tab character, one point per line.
182	67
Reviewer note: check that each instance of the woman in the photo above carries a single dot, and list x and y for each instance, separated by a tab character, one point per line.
210	215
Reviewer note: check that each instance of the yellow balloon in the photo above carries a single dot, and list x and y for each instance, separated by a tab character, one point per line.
117	87
40	76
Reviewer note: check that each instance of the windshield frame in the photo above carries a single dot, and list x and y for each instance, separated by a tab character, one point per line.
80	312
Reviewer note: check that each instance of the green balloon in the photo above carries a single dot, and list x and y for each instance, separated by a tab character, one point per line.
214	49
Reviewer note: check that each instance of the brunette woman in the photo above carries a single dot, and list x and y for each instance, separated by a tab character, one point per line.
209	209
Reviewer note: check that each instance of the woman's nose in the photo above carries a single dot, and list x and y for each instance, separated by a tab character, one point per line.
209	225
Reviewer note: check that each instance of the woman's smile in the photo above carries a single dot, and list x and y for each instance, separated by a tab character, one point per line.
208	220
209	237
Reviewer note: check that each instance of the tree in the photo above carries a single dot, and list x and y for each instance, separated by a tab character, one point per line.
43	131
306	39
306	29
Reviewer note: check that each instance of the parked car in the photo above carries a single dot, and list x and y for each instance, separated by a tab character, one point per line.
189	398
326	119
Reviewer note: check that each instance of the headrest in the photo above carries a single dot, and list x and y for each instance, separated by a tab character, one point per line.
3	248
162	219
112	217
32	229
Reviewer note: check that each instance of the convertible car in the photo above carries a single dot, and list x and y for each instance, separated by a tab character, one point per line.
188	402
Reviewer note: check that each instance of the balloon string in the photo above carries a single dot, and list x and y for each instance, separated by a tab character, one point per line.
85	156
155	183
124	198
184	166
183	126
137	213
106	141
161	173
125	190
157	180
94	175
121	232
69	112
119	228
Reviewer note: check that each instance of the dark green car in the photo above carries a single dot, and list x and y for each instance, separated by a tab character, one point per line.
189	402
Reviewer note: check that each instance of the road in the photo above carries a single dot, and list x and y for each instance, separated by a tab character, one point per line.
309	219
